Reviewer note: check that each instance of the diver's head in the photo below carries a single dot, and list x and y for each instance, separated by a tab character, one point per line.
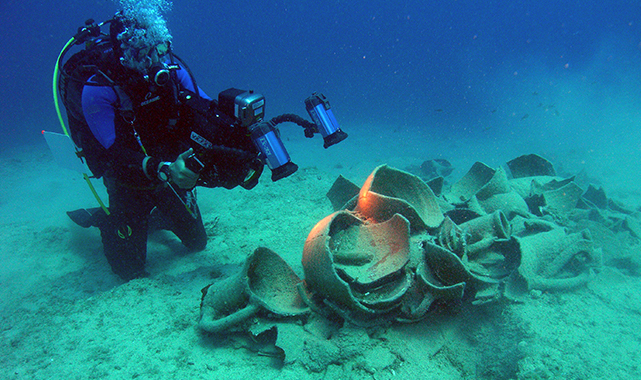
139	34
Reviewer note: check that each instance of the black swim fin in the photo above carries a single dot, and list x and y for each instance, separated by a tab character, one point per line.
87	217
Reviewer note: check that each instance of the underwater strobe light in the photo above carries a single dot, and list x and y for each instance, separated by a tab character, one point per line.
319	110
248	108
266	138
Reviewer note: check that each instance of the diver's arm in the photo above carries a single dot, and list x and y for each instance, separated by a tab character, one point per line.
99	108
185	81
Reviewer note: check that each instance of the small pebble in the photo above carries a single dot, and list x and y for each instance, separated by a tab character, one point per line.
535	293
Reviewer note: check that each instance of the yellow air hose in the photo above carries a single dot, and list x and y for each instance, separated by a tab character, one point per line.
56	73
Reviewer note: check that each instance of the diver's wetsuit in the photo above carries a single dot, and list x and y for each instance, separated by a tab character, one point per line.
132	193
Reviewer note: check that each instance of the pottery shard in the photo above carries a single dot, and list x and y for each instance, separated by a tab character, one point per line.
436	168
596	196
481	181
557	260
368	253
530	165
341	192
388	191
498	184
272	283
478	175
562	200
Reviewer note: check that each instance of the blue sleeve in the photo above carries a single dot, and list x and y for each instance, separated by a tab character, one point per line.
99	104
185	81
99	108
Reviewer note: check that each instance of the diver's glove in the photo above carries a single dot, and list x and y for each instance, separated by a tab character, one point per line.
177	172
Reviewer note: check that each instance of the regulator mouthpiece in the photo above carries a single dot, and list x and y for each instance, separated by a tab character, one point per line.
159	74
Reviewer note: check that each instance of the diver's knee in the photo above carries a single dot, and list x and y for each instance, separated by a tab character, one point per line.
199	245
196	244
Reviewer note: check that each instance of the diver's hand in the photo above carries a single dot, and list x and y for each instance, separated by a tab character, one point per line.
180	175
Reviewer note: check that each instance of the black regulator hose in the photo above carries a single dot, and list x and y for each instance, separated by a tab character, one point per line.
310	128
186	67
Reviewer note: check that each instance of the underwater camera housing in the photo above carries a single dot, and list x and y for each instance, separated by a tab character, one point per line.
246	110
247	107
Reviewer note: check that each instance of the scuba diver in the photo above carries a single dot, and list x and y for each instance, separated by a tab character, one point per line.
141	123
132	111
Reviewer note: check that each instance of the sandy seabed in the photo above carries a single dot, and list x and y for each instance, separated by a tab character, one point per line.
64	315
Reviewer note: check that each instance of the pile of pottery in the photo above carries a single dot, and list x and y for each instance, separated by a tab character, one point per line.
390	252
398	247
357	261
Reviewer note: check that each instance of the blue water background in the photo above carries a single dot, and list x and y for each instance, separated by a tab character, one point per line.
536	73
